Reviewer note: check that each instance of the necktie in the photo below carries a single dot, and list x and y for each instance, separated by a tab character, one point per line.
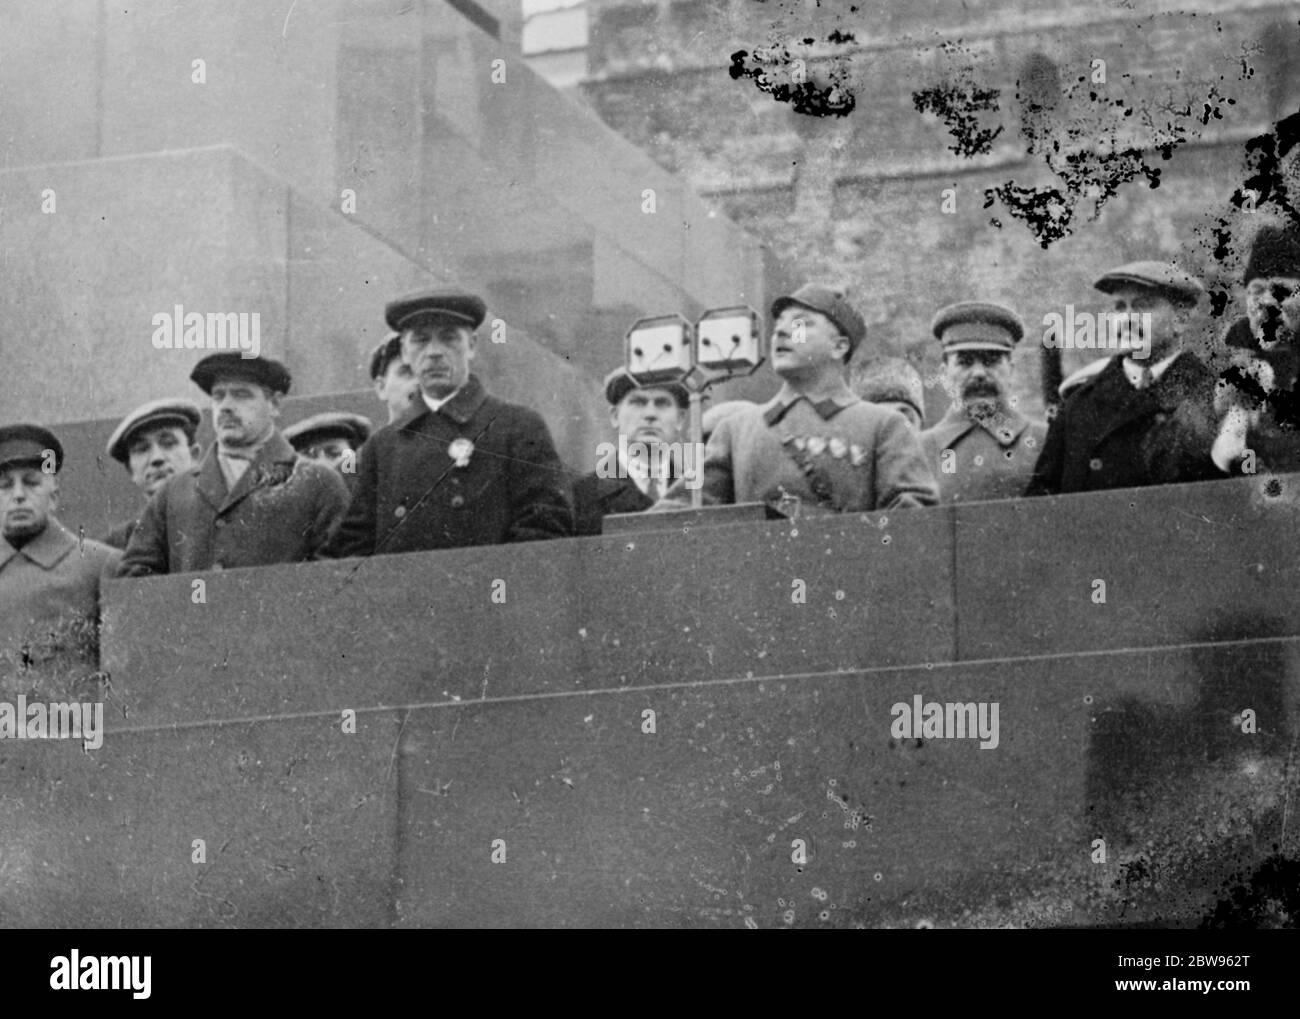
652	489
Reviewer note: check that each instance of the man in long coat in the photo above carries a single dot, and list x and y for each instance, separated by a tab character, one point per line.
1102	436
1253	424
649	422
982	448
460	467
154	442
49	578
253	501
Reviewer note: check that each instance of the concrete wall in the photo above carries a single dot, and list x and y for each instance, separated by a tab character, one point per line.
505	187
523	722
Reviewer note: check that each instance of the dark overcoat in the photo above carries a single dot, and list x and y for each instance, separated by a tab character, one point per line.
411	495
1104	432
594	497
49	598
282	510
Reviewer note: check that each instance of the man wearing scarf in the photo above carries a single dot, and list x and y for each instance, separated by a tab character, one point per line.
252	501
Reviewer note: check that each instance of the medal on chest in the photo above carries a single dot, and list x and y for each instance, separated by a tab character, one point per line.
460	451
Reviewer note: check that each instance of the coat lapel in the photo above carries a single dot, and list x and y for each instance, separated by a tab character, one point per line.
951	427
1118	402
1185	379
211	483
620	495
275	458
46	550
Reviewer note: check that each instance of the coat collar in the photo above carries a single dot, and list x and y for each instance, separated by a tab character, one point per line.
460	408
609	489
1184	380
46	550
1005	427
779	405
211	484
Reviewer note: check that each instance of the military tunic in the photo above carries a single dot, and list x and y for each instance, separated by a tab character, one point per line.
988	460
841	453
49	597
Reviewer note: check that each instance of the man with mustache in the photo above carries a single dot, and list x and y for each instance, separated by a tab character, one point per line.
252	501
648	421
49	579
982	448
1105	431
1252	425
815	443
459	467
154	442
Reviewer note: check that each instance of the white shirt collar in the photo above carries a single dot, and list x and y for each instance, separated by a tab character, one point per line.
1133	369
437	405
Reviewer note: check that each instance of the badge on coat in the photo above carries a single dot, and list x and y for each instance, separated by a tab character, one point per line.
461	450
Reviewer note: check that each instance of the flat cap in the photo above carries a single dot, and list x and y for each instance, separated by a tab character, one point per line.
1275	251
977	325
831	302
356	428
465	307
1164	277
619	383
891	379
184	413
388	351
27	444
261	370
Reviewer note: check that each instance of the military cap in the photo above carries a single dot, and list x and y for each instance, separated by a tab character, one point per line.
832	303
464	307
977	325
619	383
261	370
1274	252
354	427
27	443
388	351
1164	277
184	413
891	379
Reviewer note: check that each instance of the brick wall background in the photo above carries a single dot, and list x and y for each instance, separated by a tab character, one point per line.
858	198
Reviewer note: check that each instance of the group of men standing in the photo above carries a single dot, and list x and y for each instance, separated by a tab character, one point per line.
455	466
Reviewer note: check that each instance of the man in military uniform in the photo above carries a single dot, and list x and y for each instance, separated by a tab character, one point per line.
392	377
49	578
154	442
253	501
648	421
714	413
893	383
815	443
331	438
1103	435
460	467
982	448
